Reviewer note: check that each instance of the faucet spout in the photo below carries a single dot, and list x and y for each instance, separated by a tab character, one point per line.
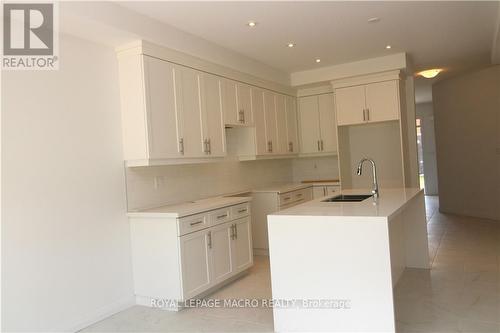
359	172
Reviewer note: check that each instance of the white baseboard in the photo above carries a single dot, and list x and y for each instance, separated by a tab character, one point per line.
98	315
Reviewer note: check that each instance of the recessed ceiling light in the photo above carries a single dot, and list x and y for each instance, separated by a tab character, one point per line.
430	73
388	47
373	19
290	44
251	24
318	60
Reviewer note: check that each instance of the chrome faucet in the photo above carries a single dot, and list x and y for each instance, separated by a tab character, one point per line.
374	170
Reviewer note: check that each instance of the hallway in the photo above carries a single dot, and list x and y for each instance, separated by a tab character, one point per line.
461	293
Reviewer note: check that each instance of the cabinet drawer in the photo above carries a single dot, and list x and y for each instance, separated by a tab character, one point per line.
286	198
332	190
302	195
192	223
220	216
240	210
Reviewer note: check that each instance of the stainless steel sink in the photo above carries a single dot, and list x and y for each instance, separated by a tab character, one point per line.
348	198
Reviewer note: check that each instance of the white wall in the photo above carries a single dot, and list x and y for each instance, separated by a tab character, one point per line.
65	236
426	114
467	124
315	168
177	183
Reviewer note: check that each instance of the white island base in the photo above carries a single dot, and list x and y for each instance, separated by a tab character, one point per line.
350	256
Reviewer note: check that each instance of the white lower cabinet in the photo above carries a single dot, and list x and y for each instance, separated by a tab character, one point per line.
175	259
195	262
242	244
220	243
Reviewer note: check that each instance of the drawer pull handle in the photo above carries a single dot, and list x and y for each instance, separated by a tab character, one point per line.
221	216
195	223
299	195
242	210
287	198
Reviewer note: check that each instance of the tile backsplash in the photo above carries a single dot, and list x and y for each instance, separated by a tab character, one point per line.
310	168
159	185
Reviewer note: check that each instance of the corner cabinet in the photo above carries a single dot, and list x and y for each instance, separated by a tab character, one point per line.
176	259
169	112
318	132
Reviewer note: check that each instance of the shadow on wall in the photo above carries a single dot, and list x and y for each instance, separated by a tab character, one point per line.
467	124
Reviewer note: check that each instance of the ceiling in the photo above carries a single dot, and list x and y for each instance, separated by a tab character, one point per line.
434	34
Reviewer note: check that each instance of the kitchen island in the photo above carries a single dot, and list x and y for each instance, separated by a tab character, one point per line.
336	263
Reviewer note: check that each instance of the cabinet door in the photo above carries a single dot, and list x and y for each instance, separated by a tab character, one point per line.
309	124
229	102
242	245
328	127
350	105
161	111
282	144
220	252
195	263
212	118
259	120
291	125
382	101
318	192
270	117
188	104
244	100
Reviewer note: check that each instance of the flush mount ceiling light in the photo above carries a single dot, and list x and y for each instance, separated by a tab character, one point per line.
430	73
373	19
318	60
251	24
290	44
388	47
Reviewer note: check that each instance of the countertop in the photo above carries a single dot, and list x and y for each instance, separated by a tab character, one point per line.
282	187
389	202
190	207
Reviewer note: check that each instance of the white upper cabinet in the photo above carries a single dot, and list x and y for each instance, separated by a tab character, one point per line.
169	112
371	102
164	131
309	124
260	121
187	83
327	124
317	124
291	125
282	135
382	100
214	138
244	97
270	120
236	102
350	105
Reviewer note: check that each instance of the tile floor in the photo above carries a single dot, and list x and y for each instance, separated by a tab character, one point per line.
461	293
